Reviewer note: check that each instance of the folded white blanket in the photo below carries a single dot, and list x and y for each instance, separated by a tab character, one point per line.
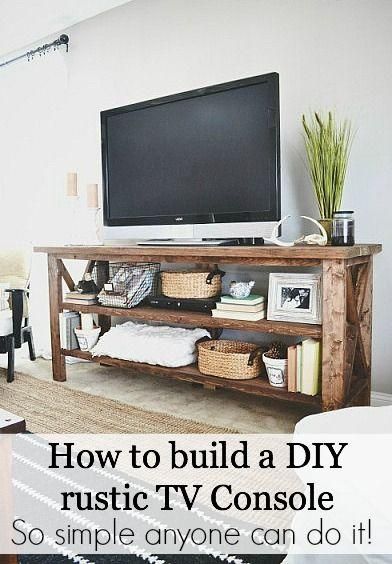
166	346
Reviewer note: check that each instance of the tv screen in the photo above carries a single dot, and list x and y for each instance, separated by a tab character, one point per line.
210	155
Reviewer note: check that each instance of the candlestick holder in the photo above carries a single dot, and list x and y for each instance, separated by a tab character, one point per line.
73	221
93	227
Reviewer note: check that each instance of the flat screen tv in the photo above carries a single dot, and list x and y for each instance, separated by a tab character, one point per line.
200	164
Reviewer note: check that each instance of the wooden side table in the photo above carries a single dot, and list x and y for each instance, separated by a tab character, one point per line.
9	424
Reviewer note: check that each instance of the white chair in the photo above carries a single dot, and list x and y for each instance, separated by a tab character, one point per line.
14	290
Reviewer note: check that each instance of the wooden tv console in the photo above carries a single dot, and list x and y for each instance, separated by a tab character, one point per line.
346	330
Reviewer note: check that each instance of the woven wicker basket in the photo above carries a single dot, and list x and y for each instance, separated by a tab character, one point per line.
235	360
191	284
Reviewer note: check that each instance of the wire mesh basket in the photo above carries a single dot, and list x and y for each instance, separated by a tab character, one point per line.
125	285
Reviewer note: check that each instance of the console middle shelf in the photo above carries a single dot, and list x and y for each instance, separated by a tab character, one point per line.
195	319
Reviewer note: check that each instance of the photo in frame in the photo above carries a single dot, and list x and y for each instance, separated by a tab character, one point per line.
294	297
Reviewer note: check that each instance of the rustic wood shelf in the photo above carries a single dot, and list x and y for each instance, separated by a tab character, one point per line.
347	274
257	386
305	255
195	319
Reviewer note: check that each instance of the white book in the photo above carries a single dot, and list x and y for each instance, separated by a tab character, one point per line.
72	324
241	315
310	367
62	330
240	307
69	320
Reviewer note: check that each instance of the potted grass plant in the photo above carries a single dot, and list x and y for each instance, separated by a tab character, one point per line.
328	145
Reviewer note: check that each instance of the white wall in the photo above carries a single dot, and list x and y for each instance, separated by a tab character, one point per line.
329	54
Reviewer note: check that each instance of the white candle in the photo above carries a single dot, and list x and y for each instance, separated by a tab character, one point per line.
92	196
72	184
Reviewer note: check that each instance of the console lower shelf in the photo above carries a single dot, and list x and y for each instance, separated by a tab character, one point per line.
257	386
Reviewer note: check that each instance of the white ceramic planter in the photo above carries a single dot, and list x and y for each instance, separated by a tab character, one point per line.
87	339
276	371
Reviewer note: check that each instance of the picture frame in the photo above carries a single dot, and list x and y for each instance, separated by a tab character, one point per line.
295	297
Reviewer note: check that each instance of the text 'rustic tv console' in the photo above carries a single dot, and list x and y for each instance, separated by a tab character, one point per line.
346	330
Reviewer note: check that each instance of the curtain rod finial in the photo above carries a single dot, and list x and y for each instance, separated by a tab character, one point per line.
64	39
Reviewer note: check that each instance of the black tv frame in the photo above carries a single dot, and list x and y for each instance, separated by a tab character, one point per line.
252	216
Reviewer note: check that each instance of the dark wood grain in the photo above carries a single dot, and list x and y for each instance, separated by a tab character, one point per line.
55	306
364	304
358	389
360	359
268	255
257	386
351	347
357	260
67	278
195	319
334	334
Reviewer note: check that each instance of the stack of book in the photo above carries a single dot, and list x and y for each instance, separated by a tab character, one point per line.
304	367
81	299
251	308
69	321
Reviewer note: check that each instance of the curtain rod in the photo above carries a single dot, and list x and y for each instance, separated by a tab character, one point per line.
42	50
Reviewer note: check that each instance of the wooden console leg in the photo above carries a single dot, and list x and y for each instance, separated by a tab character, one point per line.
56	303
334	334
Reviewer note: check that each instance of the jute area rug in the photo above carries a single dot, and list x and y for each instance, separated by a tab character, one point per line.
52	407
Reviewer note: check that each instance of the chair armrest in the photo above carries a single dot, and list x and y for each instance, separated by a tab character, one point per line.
12	290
